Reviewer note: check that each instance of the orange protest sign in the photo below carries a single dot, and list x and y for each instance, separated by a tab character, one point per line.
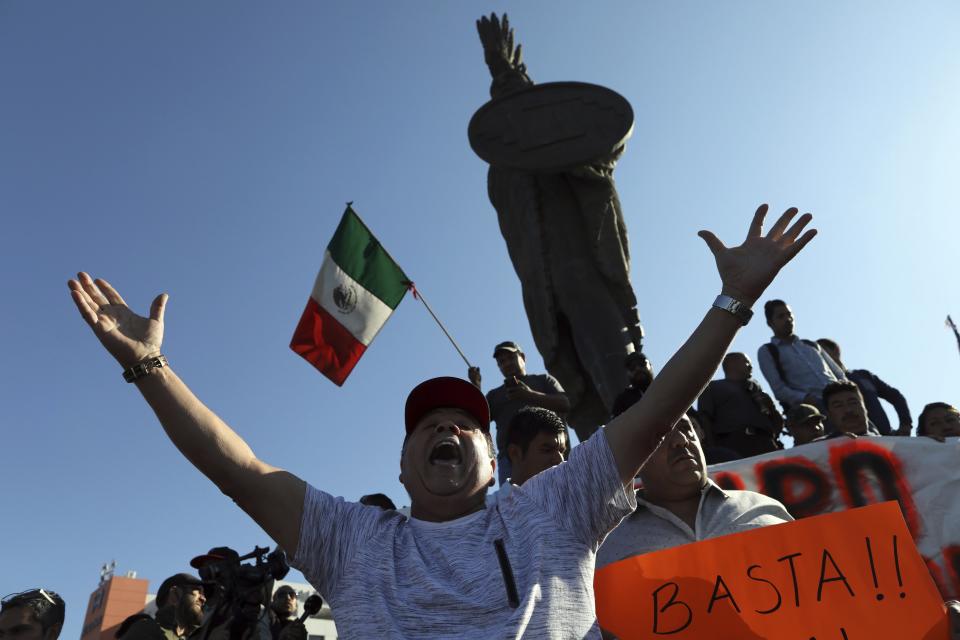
852	575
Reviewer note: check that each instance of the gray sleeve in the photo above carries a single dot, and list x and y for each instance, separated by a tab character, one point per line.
331	532
584	494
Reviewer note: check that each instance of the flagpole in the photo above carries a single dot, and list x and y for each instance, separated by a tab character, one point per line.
419	296
953	325
413	290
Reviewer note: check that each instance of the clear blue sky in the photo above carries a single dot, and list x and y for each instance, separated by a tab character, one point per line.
207	149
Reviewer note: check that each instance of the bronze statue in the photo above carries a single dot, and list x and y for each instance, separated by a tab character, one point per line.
552	149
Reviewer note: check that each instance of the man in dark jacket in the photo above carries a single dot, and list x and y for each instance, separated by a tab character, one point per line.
736	412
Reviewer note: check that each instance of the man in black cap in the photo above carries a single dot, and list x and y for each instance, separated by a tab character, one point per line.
805	424
519	390
180	601
523	567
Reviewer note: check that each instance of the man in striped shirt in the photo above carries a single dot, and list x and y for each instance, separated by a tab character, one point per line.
456	568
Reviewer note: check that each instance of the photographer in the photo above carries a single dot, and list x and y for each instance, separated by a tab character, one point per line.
242	592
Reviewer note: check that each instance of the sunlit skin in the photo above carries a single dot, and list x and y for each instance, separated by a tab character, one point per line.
846	411
18	623
446	466
781	322
942	423
545	450
806	431
737	367
676	473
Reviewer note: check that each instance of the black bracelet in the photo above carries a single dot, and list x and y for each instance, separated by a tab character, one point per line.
144	367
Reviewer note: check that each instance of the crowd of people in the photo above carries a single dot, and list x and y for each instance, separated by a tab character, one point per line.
817	397
221	605
465	562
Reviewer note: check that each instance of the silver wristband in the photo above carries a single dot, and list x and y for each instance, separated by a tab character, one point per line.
144	367
732	305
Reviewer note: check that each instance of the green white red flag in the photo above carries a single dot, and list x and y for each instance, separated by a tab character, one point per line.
358	287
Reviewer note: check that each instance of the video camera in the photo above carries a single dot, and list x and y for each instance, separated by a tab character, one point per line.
241	589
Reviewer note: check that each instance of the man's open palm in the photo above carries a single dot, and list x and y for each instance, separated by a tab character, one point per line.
747	270
128	337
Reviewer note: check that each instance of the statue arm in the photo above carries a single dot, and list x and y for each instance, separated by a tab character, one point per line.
504	60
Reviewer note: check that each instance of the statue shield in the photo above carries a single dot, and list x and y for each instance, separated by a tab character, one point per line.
547	128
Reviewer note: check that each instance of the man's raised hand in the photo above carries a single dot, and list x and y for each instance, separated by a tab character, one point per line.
747	270
128	337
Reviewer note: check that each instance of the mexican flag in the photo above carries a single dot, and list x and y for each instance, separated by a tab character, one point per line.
358	287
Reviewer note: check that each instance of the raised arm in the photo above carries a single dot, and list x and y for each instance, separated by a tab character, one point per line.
745	271
271	496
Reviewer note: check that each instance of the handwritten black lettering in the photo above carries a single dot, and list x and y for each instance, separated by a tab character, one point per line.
793	575
672	602
839	577
726	595
750	575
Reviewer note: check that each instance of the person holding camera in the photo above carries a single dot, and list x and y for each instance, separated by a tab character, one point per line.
519	390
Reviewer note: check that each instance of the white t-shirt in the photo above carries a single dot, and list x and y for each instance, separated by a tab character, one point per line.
387	576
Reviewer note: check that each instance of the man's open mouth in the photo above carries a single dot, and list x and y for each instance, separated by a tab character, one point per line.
446	452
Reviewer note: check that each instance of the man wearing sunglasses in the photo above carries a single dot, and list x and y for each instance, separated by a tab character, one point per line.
36	614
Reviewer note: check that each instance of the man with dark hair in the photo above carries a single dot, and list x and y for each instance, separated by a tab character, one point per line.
846	413
873	389
939	420
521	568
639	376
537	441
679	503
35	614
519	390
797	370
737	413
180	601
282	614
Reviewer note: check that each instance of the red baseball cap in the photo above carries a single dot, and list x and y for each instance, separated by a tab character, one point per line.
446	392
217	554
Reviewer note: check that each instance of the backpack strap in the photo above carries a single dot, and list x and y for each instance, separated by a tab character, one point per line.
774	352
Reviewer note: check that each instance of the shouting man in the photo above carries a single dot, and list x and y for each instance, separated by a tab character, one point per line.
456	568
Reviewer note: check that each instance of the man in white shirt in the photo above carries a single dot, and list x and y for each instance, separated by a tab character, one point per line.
679	503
